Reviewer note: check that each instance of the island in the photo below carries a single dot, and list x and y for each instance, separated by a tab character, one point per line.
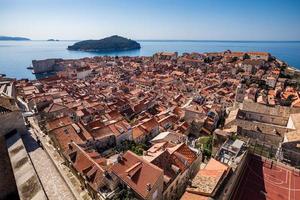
6	38
113	43
52	40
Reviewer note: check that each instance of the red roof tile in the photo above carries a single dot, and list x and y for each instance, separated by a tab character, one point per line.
137	173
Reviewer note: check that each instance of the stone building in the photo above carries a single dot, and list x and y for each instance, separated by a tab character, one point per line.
178	162
291	144
261	122
10	116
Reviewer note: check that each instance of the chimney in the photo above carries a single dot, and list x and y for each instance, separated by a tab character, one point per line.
70	146
106	174
66	131
120	157
149	187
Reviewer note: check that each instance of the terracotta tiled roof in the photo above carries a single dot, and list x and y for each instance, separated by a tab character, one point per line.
253	62
119	127
88	164
169	119
87	135
95	125
150	124
258	53
66	134
170	158
186	153
54	107
138	132
192	196
236	54
139	107
59	122
43	98
102	132
115	115
137	173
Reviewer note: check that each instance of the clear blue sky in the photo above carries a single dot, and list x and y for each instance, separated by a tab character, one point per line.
152	19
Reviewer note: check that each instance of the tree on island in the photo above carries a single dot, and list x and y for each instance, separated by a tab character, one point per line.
246	56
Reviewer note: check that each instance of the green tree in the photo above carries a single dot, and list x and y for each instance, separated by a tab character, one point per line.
205	144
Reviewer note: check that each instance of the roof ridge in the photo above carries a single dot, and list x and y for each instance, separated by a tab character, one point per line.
80	149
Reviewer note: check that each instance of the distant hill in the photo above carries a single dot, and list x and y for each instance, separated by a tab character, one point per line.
52	40
113	43
13	38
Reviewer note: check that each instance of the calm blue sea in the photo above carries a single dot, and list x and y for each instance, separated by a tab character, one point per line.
15	56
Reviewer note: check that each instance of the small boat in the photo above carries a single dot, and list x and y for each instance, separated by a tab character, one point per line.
30	67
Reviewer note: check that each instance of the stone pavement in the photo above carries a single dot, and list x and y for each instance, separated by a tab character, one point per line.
71	180
26	177
54	185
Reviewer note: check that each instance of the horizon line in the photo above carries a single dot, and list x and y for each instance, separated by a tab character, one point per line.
171	40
